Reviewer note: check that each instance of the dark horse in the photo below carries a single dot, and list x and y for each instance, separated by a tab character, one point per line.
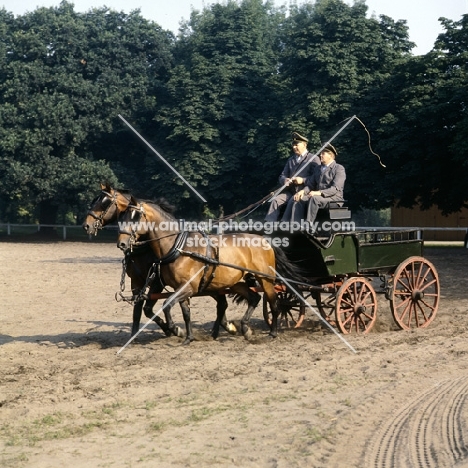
193	262
105	209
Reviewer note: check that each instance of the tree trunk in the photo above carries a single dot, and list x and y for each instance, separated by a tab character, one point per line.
48	215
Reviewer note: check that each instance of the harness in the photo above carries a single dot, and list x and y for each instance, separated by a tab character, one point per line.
211	260
99	218
177	250
208	260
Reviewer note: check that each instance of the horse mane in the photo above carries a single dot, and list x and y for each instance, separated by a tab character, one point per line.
165	205
106	186
162	205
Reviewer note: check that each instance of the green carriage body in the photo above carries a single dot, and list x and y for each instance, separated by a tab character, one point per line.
352	253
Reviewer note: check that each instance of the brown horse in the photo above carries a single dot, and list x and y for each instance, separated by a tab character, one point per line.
105	209
224	259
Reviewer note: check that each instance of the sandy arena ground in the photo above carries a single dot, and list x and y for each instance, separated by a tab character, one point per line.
303	400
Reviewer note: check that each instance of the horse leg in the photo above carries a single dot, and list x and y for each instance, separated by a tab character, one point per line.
221	306
167	326
148	310
184	302
188	324
224	322
172	328
136	317
269	291
252	298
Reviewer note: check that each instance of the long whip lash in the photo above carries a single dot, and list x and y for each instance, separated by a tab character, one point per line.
369	139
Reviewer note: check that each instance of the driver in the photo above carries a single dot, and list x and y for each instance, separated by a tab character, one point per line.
298	167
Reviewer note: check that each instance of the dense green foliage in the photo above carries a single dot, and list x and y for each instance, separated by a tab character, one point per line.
220	101
64	78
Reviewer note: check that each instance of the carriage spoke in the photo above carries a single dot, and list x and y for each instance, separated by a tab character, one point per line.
410	314
404	303
364	324
428	285
405	310
423	312
350	317
406	286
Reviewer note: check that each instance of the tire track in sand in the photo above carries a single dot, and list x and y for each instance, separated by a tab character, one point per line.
429	432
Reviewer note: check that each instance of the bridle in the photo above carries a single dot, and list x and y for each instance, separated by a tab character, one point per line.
98	223
132	232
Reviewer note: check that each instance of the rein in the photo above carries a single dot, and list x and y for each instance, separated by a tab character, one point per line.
134	243
231	265
254	206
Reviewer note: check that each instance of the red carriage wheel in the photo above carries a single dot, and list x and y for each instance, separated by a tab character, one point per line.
356	306
415	294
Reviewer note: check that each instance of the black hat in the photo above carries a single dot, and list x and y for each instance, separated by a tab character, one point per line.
297	138
331	148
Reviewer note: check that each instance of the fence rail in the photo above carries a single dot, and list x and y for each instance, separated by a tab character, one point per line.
66	227
63	227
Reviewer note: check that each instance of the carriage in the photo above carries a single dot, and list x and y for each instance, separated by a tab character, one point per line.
346	271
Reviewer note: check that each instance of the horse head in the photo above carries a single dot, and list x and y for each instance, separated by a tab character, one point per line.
146	221
105	208
132	225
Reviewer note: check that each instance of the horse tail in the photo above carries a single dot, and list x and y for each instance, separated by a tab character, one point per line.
286	268
237	298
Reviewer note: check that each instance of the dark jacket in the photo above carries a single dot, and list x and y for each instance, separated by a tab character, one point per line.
330	181
304	169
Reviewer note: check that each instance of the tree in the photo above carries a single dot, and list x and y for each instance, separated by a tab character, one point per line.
426	132
65	77
223	113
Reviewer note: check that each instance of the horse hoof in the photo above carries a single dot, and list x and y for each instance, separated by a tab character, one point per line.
179	332
231	328
248	334
187	341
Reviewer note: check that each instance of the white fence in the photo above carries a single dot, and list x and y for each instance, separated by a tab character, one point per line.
60	227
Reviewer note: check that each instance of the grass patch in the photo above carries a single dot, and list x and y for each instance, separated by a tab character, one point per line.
57	426
314	435
14	461
157	426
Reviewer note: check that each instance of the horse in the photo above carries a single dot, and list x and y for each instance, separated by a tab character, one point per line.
225	259
105	209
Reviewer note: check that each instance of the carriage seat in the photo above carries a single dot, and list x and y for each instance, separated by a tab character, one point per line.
334	210
328	216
